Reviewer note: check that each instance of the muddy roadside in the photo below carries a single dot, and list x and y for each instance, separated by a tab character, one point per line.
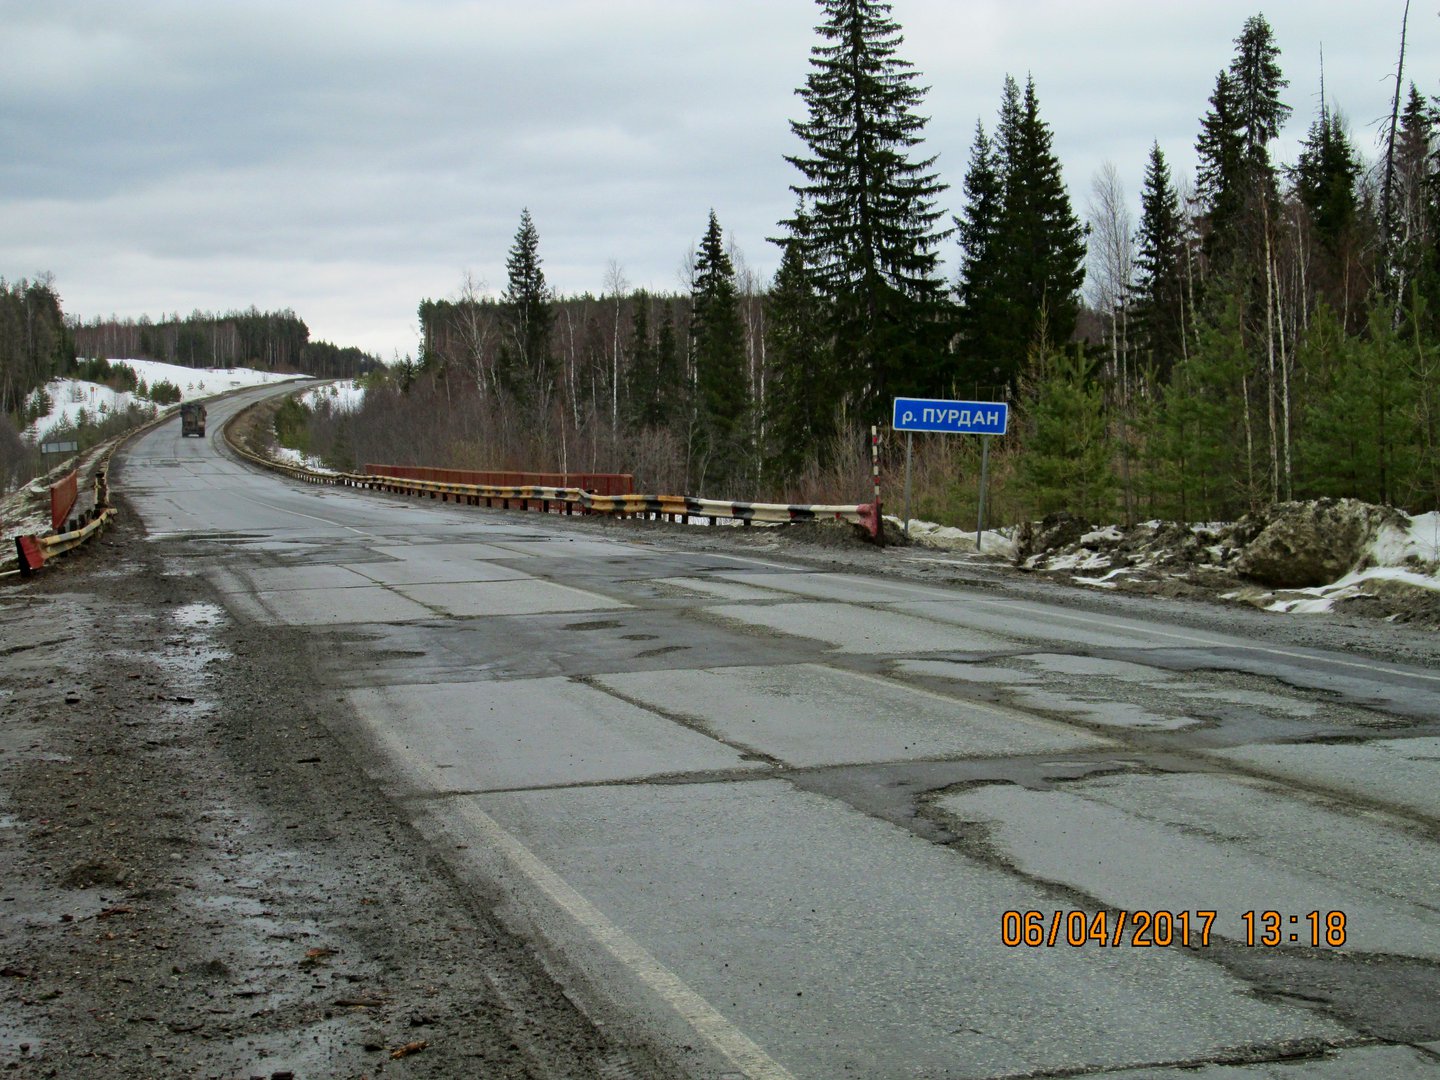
197	880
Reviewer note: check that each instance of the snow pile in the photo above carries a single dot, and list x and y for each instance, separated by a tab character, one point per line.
1403	554
1295	558
948	538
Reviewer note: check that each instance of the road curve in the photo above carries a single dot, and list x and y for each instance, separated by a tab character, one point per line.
795	823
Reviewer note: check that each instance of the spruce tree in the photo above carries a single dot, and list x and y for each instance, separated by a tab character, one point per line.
982	319
1160	281
870	222
1416	217
802	397
1325	177
1257	80
1220	182
1028	299
718	342
669	374
529	315
1236	180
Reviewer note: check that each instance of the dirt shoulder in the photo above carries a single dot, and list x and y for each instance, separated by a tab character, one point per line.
197	880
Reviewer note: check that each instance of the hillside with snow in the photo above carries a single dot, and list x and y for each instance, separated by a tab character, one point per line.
70	397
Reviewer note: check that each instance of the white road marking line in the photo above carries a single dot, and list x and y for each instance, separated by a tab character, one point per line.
714	1028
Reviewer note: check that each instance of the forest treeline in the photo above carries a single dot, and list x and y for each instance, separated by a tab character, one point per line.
38	342
264	340
1266	331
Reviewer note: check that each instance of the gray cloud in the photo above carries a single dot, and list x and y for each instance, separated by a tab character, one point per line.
348	159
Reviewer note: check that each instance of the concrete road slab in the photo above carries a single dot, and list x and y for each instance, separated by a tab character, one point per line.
527	597
443	551
530	733
1191	842
566	548
290	578
566	644
718	589
1400	773
858	630
330	607
419	570
847	947
808	714
1022	622
821	586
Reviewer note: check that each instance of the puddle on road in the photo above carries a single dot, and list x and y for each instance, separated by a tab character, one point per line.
198	614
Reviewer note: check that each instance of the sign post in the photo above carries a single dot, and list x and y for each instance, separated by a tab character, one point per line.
985	418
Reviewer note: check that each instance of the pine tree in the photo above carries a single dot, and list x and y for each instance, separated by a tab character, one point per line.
1360	430
801	407
1067	460
1203	442
527	306
1160	281
869	229
718	342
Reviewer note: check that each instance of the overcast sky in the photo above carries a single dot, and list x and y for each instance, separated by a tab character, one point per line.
347	159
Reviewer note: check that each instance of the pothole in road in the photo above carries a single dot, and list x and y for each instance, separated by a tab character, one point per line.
602	624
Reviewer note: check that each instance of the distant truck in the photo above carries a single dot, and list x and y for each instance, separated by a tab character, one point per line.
192	419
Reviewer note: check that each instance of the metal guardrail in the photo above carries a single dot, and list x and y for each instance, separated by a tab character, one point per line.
570	500
593	482
32	551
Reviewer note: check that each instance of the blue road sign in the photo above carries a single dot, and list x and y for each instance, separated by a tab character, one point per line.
952	417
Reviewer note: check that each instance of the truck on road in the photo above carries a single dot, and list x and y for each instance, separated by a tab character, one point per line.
192	419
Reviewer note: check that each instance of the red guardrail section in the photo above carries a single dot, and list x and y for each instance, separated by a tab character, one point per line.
595	483
63	496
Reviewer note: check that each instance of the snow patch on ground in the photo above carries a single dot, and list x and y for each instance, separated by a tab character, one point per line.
343	395
286	456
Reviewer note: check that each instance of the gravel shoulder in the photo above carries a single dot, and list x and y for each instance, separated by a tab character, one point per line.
198	880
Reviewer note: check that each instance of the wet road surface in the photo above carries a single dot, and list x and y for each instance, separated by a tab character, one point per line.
777	817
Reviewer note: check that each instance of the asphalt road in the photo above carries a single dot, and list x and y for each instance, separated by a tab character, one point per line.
791	823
